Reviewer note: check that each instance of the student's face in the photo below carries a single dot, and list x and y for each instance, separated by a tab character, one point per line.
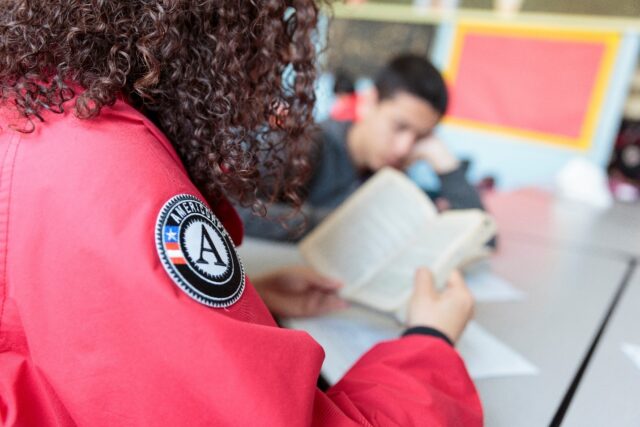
393	126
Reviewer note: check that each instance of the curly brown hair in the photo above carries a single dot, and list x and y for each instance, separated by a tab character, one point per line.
229	82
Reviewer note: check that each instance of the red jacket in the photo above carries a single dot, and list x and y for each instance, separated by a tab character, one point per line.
101	324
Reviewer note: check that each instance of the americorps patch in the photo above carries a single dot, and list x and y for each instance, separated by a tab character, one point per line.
197	252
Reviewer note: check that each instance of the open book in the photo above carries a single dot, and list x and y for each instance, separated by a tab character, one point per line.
388	228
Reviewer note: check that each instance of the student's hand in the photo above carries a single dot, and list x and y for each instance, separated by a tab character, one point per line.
448	310
442	204
299	292
432	150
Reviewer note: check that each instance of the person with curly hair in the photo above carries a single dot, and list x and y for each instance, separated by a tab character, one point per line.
126	129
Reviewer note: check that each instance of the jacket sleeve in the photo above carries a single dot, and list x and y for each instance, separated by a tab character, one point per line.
415	380
458	191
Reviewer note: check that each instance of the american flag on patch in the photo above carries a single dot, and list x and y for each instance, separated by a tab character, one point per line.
172	246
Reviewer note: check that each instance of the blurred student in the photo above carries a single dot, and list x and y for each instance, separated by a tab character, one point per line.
396	129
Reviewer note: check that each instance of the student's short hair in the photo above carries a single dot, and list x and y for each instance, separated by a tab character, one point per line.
343	83
415	75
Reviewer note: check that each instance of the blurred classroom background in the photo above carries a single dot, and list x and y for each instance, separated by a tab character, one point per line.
543	93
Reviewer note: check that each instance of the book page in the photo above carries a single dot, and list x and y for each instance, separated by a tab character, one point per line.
441	246
453	238
391	287
373	226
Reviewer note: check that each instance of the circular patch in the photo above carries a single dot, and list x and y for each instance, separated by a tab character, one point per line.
197	252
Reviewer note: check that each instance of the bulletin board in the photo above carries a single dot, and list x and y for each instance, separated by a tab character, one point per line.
544	85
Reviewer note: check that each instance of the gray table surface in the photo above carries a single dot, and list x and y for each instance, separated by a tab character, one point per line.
539	215
609	393
568	295
568	292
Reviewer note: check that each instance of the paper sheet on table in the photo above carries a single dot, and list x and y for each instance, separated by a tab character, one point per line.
633	352
347	335
487	286
488	357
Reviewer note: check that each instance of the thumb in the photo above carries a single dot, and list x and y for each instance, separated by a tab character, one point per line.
456	281
424	283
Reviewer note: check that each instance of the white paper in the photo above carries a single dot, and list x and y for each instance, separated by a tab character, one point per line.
487	286
347	335
633	352
488	357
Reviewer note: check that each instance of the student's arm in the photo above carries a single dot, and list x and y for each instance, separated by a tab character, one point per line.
416	380
454	186
458	191
421	372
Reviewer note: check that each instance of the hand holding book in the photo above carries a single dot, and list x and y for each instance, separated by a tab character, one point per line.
447	311
376	240
298	291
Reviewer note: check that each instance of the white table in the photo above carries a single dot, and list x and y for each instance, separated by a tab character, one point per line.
609	393
537	214
569	293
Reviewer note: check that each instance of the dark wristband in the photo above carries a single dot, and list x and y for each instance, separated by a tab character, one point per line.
425	330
